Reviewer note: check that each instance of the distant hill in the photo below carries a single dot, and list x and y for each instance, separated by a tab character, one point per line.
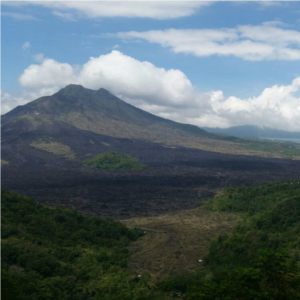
251	131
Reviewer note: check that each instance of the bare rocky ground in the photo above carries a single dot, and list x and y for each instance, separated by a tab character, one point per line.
176	179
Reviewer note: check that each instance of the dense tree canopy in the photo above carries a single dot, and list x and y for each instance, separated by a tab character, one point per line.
51	253
260	259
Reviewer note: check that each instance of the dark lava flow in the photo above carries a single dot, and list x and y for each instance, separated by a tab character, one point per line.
176	179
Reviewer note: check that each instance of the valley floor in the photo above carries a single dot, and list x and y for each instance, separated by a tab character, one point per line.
176	179
175	242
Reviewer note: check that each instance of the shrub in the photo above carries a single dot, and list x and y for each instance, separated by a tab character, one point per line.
114	161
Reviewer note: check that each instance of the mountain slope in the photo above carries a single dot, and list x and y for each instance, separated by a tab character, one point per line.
84	112
97	111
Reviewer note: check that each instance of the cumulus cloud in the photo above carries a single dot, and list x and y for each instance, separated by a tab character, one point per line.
168	93
9	101
268	41
48	74
134	8
119	73
276	107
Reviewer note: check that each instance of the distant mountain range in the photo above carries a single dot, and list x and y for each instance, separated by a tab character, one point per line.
250	131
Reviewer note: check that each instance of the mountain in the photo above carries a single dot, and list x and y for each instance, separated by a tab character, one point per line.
96	111
46	145
251	131
77	122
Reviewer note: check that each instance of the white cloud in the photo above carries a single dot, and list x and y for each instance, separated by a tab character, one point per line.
19	17
134	8
167	93
64	15
48	74
263	42
26	46
116	46
39	57
9	101
275	107
121	74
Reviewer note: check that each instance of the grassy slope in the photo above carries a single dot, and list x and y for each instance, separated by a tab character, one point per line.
283	149
4	162
175	242
54	147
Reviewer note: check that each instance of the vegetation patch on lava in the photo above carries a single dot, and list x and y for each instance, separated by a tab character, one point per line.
54	148
4	162
114	161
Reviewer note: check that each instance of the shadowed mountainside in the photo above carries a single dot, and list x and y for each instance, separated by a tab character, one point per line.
96	111
75	107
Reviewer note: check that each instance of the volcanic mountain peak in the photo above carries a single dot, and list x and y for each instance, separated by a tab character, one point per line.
76	91
97	111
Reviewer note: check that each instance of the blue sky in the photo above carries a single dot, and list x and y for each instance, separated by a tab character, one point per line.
71	35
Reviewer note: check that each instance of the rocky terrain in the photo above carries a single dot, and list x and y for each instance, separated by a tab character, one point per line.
43	154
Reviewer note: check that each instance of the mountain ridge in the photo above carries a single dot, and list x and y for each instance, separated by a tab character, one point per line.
80	111
252	131
94	110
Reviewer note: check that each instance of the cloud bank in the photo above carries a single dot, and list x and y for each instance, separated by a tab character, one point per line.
9	101
156	9
268	41
166	93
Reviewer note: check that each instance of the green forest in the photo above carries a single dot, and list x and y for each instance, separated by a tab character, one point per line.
52	253
114	161
260	259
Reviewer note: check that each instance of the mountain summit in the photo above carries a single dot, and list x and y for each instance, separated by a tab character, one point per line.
97	111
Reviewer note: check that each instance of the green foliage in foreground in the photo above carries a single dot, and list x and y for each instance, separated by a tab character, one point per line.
261	258
50	253
114	161
61	254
